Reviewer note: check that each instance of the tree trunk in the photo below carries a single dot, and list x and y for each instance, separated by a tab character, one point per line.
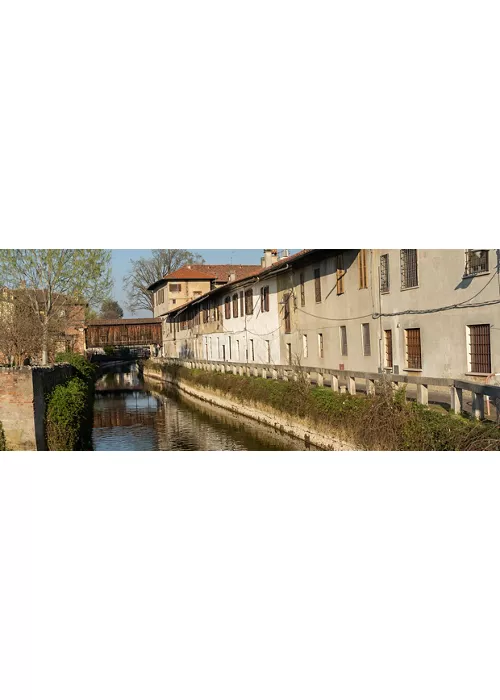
45	344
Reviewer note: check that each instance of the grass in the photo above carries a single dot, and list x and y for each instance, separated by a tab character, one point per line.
385	421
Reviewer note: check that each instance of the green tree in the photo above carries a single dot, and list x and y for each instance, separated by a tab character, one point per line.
145	271
52	278
111	309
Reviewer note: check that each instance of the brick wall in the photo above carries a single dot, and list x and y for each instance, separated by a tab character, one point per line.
22	403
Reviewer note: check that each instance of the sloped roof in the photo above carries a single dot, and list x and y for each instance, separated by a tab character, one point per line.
221	272
187	273
122	321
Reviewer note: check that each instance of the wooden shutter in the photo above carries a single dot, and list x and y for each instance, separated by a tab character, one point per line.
362	271
340	274
317	285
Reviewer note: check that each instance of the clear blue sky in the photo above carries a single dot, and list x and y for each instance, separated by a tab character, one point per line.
121	264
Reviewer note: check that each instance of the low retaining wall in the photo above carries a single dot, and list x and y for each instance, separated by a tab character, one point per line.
281	423
22	403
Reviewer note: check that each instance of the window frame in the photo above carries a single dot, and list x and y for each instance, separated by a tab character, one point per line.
472	367
302	283
235	305
249	302
340	272
385	289
227	308
317	285
405	264
366	340
409	365
321	346
468	258
344	346
362	270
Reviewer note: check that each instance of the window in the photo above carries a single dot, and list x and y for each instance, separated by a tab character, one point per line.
286	306
476	261
264	299
340	274
409	268
365	333
317	285
218	348
304	346
242	307
268	343
227	307
479	349
175	288
235	306
362	270
252	351
289	353
413	348
384	273
343	340
388	349
302	290
238	350
174	302
321	352
230	348
197	294
249	302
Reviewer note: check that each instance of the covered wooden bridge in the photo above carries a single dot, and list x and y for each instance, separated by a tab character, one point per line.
123	332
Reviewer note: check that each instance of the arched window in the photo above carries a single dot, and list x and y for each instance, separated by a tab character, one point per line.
235	306
227	303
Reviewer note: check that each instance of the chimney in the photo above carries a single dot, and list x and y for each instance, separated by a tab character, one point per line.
232	276
270	257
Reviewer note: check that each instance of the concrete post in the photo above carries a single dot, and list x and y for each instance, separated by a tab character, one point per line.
235	370
335	383
370	387
274	374
423	394
320	380
351	386
477	406
264	374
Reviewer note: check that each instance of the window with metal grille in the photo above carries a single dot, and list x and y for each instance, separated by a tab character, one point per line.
242	306
317	284
268	343
321	351
362	270
413	348
343	340
302	290
230	348
384	273
476	261
286	307
479	349
340	274
304	346
367	346
388	348
238	350
227	307
264	299
235	306
252	350
409	268
249	302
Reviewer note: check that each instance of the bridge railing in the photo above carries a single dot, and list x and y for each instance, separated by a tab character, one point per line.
450	392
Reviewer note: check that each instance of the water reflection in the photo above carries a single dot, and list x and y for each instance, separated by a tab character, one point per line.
131	415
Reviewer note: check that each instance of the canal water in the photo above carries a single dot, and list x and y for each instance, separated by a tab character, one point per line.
130	414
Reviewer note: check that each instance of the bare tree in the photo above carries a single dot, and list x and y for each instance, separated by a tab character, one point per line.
53	278
145	271
20	329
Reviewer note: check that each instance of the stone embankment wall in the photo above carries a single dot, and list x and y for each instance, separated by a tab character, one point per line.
22	403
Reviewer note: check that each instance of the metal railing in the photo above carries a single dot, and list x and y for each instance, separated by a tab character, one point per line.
344	381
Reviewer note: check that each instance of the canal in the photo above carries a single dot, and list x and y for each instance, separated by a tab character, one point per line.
130	414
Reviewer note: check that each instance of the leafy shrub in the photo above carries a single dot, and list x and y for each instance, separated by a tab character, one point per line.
66	412
385	421
85	369
3	444
69	408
